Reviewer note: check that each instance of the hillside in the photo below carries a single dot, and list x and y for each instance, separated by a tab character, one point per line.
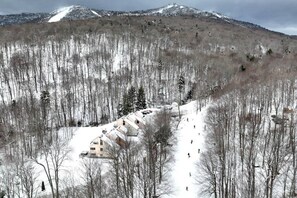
76	74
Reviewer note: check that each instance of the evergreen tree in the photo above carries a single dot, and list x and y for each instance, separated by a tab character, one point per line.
132	98
141	103
45	97
120	110
189	95
126	106
181	83
181	86
45	103
129	102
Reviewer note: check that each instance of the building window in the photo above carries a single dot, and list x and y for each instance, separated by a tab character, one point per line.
101	149
92	148
101	142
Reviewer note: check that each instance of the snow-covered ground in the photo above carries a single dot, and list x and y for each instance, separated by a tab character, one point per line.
190	138
80	141
60	14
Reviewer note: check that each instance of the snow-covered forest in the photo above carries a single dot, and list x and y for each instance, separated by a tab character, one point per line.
251	140
76	73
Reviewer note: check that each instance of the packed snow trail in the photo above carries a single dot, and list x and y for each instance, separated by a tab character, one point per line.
189	146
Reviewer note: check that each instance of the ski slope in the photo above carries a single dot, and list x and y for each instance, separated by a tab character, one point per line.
190	129
61	13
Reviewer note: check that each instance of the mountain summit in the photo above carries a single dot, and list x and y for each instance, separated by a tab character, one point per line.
73	12
174	9
178	10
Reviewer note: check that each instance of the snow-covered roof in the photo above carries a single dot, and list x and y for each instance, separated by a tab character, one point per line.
123	129
121	135
139	114
104	139
114	133
133	117
132	124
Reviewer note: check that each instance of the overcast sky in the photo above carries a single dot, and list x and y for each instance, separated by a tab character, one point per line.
277	15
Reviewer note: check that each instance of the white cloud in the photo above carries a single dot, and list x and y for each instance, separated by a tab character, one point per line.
289	30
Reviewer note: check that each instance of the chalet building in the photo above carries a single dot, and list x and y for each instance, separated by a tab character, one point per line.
132	128
99	146
124	127
133	123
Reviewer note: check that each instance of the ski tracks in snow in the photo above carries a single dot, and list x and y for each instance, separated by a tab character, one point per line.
190	138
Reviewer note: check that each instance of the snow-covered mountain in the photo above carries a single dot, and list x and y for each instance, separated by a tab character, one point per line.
181	10
173	9
72	13
77	12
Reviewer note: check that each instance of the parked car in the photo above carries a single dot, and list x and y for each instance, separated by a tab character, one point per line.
145	112
83	154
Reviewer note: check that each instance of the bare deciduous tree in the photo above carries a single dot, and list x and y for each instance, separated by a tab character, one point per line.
52	160
93	179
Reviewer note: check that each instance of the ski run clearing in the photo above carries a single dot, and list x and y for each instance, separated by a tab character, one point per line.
190	138
61	13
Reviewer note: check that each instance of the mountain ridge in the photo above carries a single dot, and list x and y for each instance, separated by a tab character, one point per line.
79	12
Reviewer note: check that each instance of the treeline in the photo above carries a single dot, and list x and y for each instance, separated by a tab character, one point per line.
251	142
